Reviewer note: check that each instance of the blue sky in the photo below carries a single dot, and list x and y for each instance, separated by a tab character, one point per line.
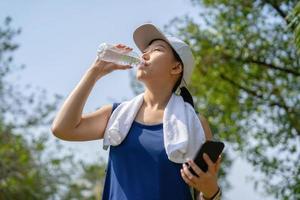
58	43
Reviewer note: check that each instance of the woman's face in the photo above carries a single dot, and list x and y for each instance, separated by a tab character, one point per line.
160	66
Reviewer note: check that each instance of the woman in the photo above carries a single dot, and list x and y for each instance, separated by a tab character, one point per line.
139	168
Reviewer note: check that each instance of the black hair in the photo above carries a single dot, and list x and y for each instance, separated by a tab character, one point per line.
186	95
184	92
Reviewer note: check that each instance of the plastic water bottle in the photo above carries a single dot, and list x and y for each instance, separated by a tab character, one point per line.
110	53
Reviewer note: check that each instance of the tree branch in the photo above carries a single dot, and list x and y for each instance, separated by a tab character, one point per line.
269	65
277	8
262	63
291	114
252	92
279	104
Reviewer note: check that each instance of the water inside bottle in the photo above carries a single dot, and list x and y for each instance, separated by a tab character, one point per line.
131	59
110	53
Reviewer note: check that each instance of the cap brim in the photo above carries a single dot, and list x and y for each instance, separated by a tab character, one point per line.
145	33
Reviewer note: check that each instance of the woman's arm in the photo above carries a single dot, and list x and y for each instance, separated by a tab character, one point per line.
207	182
69	123
205	125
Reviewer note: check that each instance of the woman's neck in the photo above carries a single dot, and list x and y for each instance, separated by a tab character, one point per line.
156	99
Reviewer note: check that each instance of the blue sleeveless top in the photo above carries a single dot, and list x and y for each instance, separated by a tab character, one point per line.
139	169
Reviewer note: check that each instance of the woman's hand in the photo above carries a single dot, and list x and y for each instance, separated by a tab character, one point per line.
206	182
101	67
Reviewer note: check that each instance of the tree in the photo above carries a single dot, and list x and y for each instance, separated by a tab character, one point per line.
294	23
247	83
28	168
24	173
89	184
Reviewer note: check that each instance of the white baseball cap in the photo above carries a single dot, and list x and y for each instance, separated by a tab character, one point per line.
148	32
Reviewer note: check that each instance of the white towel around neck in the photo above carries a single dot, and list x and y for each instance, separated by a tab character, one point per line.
182	129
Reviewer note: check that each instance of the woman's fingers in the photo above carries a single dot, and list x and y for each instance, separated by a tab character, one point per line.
205	178
123	47
186	178
196	169
218	163
120	45
187	171
189	175
211	165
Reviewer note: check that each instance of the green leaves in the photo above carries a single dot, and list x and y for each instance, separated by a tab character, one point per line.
28	168
89	184
294	23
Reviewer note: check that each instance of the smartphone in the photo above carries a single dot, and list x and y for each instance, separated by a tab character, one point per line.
213	149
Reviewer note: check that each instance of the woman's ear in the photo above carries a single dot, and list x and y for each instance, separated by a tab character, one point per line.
177	68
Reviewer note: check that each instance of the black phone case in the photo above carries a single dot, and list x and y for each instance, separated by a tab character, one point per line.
213	149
